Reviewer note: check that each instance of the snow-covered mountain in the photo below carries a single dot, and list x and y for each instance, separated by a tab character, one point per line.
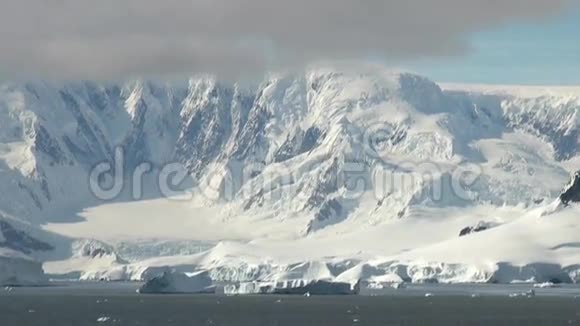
301	157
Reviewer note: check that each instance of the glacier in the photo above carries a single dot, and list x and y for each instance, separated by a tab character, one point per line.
365	173
293	287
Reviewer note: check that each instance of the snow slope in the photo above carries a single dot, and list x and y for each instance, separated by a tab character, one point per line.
365	171
425	247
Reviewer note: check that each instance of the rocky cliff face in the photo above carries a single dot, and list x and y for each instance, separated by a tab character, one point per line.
571	193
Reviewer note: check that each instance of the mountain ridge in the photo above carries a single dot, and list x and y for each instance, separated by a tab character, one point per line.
311	153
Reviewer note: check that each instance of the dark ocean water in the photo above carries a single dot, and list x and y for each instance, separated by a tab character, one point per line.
118	304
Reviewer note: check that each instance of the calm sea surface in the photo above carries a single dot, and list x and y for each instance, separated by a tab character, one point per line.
118	304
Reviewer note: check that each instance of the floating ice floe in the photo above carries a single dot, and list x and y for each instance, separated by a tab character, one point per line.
545	285
381	286
397	286
528	294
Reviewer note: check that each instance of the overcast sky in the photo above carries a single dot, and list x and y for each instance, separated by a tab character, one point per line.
120	39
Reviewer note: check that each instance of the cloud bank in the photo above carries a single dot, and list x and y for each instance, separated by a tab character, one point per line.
110	39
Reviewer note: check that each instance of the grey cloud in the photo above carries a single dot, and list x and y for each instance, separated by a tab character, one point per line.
107	39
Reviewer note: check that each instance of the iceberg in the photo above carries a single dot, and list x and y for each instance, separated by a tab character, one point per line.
545	285
528	294
176	282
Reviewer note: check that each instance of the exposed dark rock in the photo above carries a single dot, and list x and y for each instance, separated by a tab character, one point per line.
207	128
88	135
256	200
46	144
251	139
479	227
328	183
301	142
20	241
331	208
564	140
32	194
136	151
96	249
571	193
